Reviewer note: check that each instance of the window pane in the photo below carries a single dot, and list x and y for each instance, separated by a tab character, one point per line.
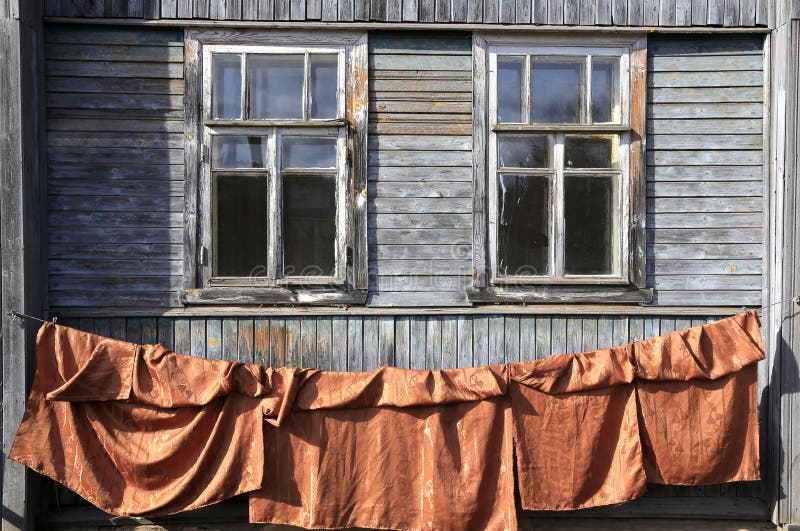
556	92
226	86
323	81
309	225
509	89
605	90
523	234
309	152
591	231
517	151
275	83
240	225
591	151
238	151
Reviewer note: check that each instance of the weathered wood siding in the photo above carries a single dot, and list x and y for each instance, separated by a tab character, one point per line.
115	166
727	13
420	170
705	170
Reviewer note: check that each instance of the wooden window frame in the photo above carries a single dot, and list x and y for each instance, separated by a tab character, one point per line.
348	284
629	286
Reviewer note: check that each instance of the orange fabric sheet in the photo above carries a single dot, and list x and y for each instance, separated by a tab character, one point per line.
140	430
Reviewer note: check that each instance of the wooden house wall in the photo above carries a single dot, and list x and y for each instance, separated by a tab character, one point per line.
115	169
727	13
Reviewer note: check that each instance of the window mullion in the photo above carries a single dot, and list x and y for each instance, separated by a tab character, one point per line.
245	94
274	245
306	87
526	83
588	118
557	209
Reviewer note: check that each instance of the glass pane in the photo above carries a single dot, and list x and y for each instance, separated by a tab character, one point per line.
523	234
556	92
226	86
509	89
275	83
309	225
323	81
605	90
590	151
238	151
309	152
516	151
591	231
240	225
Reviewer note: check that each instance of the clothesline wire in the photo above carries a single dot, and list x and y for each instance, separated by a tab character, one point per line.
14	314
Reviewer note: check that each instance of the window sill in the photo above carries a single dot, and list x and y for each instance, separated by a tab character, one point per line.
289	295
554	294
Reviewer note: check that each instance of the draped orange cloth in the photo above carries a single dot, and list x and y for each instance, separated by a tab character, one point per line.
139	430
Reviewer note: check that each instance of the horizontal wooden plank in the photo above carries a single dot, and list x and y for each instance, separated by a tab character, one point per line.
707	282
420	75
93	266
419	128
415	44
709	142
707	45
420	107
84	187
705	79
162	220
420	174
114	203
705	220
115	155
420	158
704	204
420	62
705	236
99	284
421	267
113	299
702	126
434	118
705	110
161	115
415	142
707	94
417	236
412	299
114	69
708	298
409	86
114	52
705	158
734	266
421	206
455	250
103	251
703	63
705	189
159	172
95	234
72	100
115	139
114	85
119	124
420	96
705	173
704	251
419	283
419	221
398	189
108	36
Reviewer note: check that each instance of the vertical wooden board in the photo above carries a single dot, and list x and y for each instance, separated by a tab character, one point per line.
465	341
683	12
324	343
355	344
666	325
266	10
636	329
52	8
418	341
459	11
480	340
527	338
344	11
543	344
731	14
282	9
572	14
652	327
496	339
293	345
681	324
699	12
442	10
85	324
588	12
133	330
539	12
427	10
263	353
523	12
449	342
479	153
245	340
394	10
202	8
650	12
314	9
589	334
338	343
762	12
506	11
667	13
574	334
716	12
371	337
603	12
186	8
491	11
410	11
166	332
361	9
386	341
249	10
402	341
433	342
619	12
308	342
183	336
377	10
635	12
474	11
102	326
511	339
149	331
214	339
605	332
620	332
230	339
558	335
297	9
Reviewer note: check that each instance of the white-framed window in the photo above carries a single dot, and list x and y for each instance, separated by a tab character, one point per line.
558	198
279	124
